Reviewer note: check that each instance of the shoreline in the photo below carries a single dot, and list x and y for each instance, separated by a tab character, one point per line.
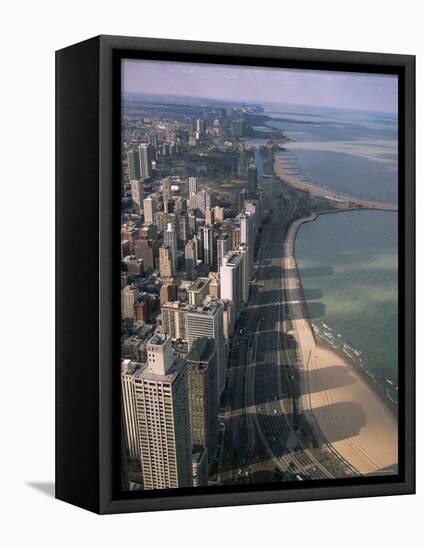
379	390
374	386
341	399
340	199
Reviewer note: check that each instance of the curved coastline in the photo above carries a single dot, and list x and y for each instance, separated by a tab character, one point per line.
341	200
344	404
378	389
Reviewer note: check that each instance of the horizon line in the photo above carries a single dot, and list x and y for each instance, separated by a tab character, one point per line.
256	102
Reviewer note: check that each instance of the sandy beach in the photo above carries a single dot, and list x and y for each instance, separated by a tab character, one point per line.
337	399
280	170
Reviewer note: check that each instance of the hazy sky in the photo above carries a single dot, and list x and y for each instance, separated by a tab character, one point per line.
257	84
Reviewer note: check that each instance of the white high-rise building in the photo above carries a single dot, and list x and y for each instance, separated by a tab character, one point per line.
231	280
156	416
137	192
200	126
128	299
247	237
170	239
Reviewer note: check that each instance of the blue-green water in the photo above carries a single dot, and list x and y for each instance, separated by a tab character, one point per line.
351	152
348	260
348	267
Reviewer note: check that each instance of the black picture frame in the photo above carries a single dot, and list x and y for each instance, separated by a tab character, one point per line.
87	300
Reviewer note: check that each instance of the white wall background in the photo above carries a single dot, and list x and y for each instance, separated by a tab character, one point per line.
30	33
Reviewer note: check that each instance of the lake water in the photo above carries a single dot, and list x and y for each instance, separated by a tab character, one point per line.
348	267
348	261
352	152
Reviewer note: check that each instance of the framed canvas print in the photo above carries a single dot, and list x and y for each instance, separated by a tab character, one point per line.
235	274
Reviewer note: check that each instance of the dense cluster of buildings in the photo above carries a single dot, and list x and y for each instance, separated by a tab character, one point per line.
186	268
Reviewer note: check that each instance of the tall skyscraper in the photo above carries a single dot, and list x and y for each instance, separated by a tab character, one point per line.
243	251
183	229
200	240
241	200
231	280
165	262
201	366
246	224
133	160
236	237
166	193
128	299
154	143
209	199
208	244
128	407
149	210
253	208
193	186
223	246
198	246
209	216
192	222
137	192
156	410
190	256
219	214
145	154
202	200
207	320
174	319
170	239
200	126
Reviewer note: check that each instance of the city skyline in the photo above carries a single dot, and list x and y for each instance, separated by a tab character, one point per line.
297	87
231	371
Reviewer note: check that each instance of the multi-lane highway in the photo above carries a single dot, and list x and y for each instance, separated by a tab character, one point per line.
262	390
